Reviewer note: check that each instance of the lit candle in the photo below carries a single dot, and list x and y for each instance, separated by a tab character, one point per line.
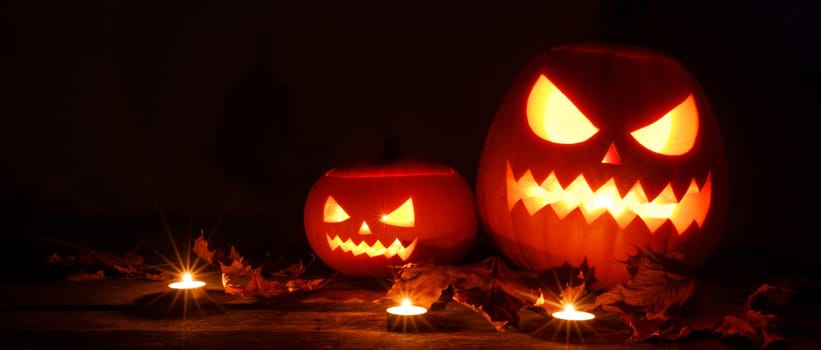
571	314
187	282
407	317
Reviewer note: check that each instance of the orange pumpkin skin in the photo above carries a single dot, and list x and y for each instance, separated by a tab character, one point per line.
442	230
618	90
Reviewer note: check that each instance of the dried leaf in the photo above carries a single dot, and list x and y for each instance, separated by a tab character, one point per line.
56	259
259	286
126	270
129	265
568	275
233	289
656	287
760	328
236	275
107	258
655	292
202	251
643	329
240	278
651	302
718	317
772	294
233	254
85	276
734	325
574	292
132	258
297	285
495	291
237	267
423	284
291	271
489	287
160	276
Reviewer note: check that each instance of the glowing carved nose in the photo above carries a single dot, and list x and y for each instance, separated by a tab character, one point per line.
364	229
612	156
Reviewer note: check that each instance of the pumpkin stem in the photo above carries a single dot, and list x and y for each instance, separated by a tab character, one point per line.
390	149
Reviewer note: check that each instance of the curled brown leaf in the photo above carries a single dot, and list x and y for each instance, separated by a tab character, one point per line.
241	278
87	276
201	249
489	287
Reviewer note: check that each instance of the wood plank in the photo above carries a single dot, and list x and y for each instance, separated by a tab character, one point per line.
347	314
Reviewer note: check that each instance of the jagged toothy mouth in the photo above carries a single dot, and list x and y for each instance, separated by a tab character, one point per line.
535	195
376	249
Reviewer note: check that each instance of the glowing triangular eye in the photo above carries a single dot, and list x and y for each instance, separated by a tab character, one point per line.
402	216
553	117
674	133
333	212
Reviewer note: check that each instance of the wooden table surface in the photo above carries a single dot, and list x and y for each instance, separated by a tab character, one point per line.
346	314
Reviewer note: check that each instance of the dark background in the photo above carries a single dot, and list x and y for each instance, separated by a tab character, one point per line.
120	115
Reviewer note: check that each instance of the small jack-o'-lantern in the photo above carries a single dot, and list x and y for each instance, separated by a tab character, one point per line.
361	220
597	150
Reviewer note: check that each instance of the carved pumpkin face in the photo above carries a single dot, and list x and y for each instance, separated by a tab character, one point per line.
597	150
362	220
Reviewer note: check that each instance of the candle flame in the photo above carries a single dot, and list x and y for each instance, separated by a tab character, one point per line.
187	282
570	314
406	308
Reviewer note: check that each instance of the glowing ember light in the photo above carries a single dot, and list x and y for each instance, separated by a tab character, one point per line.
570	314
187	282
406	309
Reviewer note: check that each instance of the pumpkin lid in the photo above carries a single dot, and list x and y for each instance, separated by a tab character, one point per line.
398	167
616	49
393	163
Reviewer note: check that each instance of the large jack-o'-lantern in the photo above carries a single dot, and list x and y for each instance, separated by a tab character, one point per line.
597	150
360	220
